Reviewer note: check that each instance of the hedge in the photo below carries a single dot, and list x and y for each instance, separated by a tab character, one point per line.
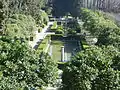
57	37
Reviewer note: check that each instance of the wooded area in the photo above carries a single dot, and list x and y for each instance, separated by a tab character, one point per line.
73	6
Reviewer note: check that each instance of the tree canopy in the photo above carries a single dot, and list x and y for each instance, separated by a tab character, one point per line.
22	67
93	69
107	32
29	7
19	25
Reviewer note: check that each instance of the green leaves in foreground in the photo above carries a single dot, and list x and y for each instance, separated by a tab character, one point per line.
21	67
93	69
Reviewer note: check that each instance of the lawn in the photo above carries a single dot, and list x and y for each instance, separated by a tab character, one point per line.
56	49
43	45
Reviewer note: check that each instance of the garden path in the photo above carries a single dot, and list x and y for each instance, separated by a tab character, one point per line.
40	36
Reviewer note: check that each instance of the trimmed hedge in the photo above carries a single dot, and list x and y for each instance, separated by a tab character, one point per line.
57	37
61	37
61	65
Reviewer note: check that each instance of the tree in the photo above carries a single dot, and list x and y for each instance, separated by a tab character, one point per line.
20	25
48	69
27	7
101	27
93	69
41	18
19	64
21	67
110	36
73	27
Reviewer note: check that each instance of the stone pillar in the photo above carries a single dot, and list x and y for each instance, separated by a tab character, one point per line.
50	53
62	54
50	46
49	41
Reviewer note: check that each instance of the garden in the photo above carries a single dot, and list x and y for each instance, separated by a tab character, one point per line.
50	44
55	49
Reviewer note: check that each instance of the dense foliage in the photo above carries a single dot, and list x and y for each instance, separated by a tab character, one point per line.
60	29
42	18
29	7
93	69
104	29
20	26
21	15
24	7
48	69
21	67
73	27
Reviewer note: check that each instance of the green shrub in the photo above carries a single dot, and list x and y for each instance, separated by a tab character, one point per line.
93	69
21	67
20	25
43	25
59	32
54	26
42	17
61	65
60	27
39	29
106	30
84	42
71	31
86	46
57	37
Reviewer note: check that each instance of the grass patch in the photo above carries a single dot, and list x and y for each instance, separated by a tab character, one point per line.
43	44
61	62
56	50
